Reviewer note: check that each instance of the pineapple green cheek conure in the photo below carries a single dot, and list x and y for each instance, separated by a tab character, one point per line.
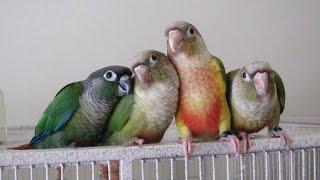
144	115
256	98
203	112
78	114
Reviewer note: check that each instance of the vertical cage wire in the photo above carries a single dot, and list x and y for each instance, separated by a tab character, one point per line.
266	165
279	165
109	170
292	171
47	171
0	173
61	172
92	170
241	166
157	169
314	164
213	168
15	173
303	159
253	166
77	171
186	168
228	166
142	169
171	168
30	171
200	167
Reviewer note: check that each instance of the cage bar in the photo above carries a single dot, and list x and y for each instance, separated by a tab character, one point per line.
279	165
200	167
253	166
314	163
303	158
213	168
157	169
266	165
109	170
186	168
241	166
171	168
47	171
61	172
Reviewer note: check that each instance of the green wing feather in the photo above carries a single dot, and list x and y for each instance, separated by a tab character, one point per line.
229	79
59	111
280	91
220	65
120	115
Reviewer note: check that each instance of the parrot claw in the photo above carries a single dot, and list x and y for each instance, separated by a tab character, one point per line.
284	138
135	142
246	141
186	144
235	142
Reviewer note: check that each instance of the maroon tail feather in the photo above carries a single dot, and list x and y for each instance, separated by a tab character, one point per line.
21	147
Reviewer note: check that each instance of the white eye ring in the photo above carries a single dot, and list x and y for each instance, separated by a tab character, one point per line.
245	76
191	31
110	76
153	58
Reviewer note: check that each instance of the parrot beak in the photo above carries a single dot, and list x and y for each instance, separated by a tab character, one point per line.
175	38
125	85
260	81
142	72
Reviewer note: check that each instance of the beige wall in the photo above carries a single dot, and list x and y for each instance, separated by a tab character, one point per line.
46	44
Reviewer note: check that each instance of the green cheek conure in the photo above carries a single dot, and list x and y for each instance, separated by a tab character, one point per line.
203	111
78	114
256	98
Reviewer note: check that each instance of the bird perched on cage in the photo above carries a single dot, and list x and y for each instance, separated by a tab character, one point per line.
256	98
203	111
144	115
78	114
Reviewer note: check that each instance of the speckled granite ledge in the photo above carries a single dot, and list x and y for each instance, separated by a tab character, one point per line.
303	136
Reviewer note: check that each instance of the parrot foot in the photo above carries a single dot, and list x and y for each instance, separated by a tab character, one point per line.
229	136
186	145
135	142
284	138
114	174
246	141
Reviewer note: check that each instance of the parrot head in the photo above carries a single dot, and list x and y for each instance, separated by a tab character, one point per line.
256	79
184	38
111	81
151	66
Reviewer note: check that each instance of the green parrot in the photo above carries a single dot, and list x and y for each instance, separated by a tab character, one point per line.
256	98
203	111
78	114
144	115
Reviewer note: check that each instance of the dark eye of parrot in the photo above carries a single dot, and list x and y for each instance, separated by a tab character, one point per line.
191	31
245	76
110	76
153	58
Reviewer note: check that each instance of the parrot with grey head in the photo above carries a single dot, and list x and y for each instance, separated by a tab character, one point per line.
256	98
144	115
203	112
78	114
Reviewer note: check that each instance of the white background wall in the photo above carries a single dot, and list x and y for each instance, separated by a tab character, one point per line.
46	44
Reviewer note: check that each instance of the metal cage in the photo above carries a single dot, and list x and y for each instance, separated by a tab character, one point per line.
266	159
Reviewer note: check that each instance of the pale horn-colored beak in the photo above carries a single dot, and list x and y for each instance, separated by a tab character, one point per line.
260	81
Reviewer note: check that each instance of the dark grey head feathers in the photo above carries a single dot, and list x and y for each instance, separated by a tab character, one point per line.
112	78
